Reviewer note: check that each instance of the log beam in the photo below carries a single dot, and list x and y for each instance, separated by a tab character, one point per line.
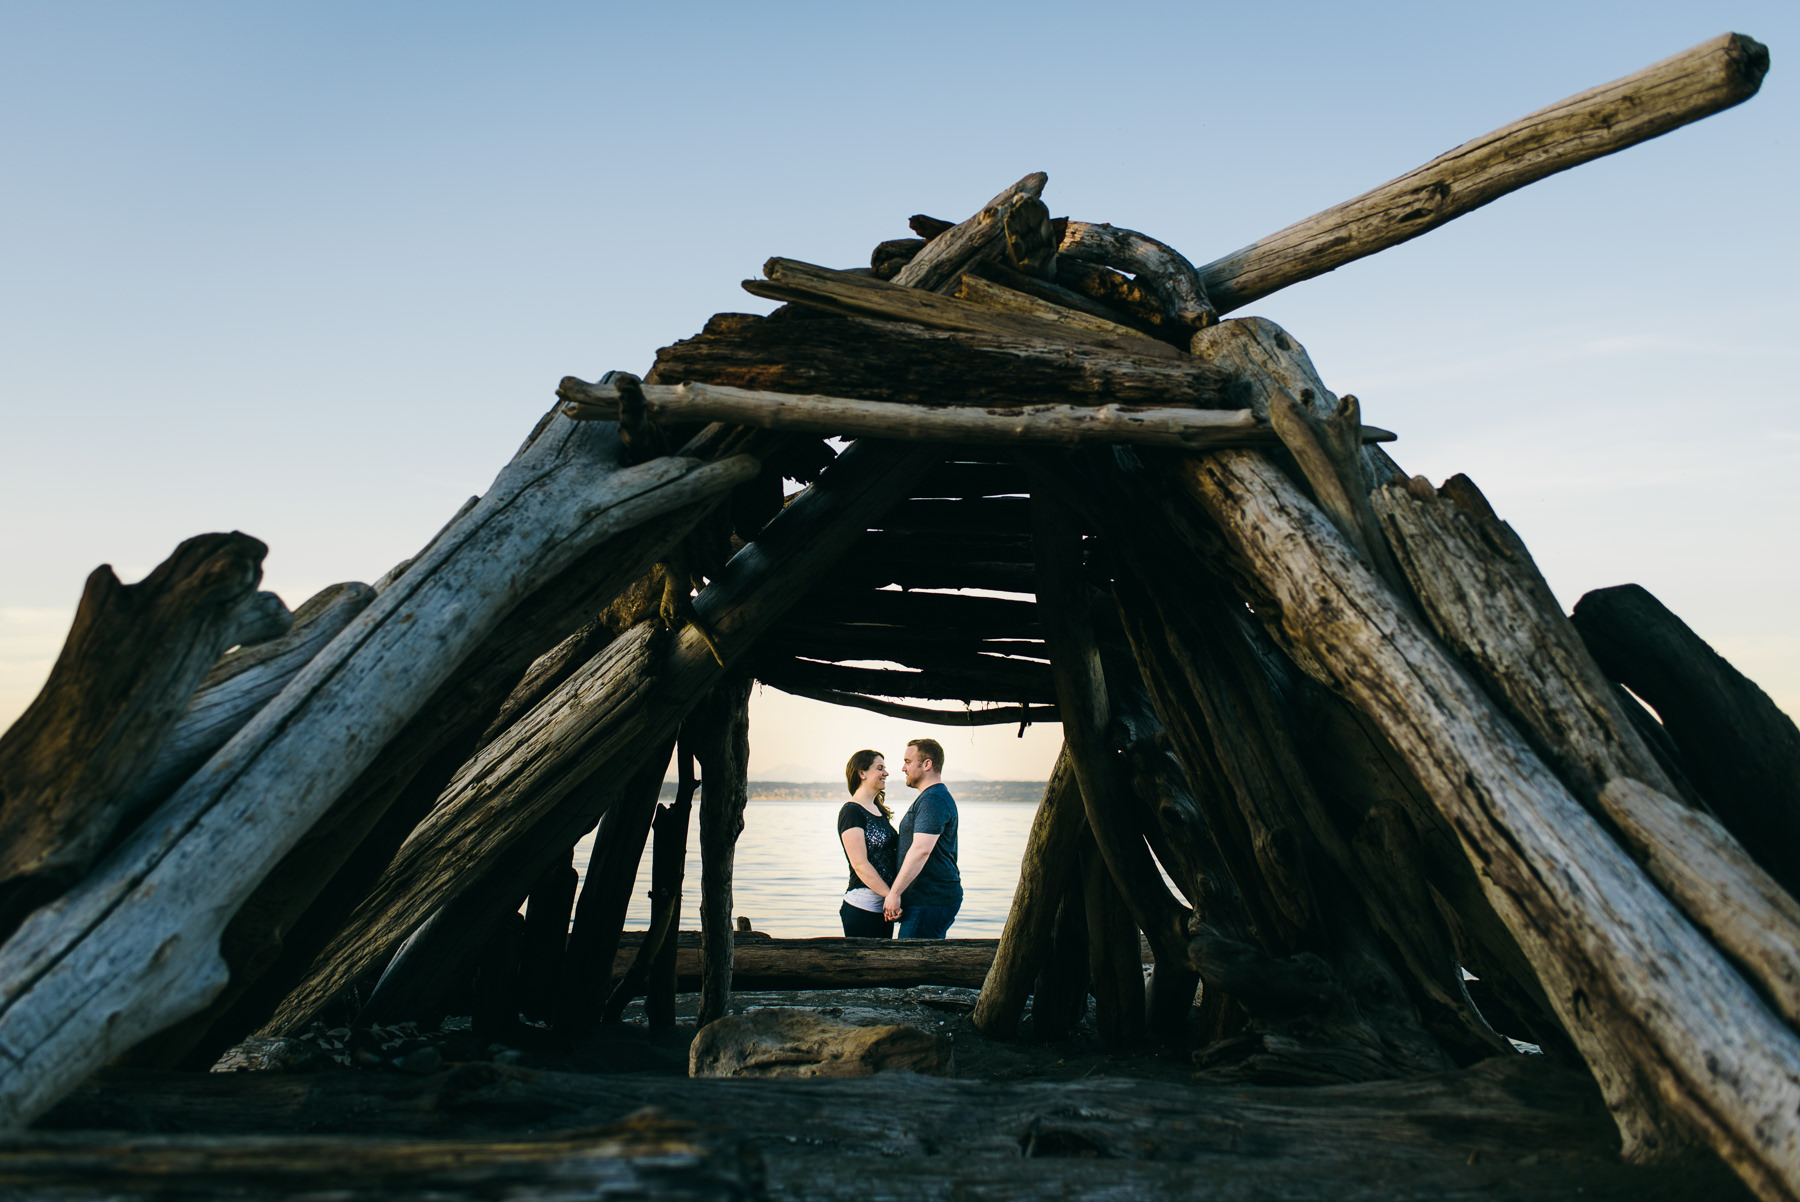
1711	77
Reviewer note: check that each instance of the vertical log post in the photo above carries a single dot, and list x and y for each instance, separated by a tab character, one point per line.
546	936
1059	1000
1049	865
722	723
606	893
1115	963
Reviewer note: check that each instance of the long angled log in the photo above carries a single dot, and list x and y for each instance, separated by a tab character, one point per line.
128	670
979	307
240	684
1050	295
723	749
135	947
981	236
1654	1008
895	361
1710	77
1740	751
1044	874
1053	424
1000	715
1082	699
634	692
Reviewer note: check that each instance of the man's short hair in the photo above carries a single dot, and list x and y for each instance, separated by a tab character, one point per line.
932	750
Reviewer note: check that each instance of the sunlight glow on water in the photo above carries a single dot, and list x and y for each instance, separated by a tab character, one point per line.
790	873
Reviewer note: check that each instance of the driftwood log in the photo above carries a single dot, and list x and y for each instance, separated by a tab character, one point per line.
168	892
127	673
1600	121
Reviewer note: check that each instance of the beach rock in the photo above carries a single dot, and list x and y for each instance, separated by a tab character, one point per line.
778	1042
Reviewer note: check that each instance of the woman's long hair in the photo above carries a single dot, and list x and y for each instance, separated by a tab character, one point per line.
860	763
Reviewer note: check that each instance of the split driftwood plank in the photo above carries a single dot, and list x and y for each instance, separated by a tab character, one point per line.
995	680
1740	751
978	307
1079	319
135	948
633	693
981	236
126	674
1654	1008
1059	425
1600	121
242	683
908	364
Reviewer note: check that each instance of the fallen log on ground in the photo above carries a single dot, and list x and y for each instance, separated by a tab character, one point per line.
1600	121
134	656
170	890
833	962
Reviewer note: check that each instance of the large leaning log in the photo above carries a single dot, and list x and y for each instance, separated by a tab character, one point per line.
1600	121
631	694
135	946
1682	1046
1738	748
722	746
128	671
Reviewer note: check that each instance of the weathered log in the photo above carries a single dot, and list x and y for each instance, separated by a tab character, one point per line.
1000	715
1640	991
831	962
1161	269
819	639
127	672
977	307
668	858
1328	449
67	1001
633	693
1715	882
547	910
1740	751
299	906
996	617
981	236
962	477
618	850
641	1157
722	746
240	684
997	680
1082	699
1059	425
1523	1130
894	361
1044	874
997	287
1600	121
1115	967
886	260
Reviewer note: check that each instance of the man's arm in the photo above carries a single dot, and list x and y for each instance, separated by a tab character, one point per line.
916	855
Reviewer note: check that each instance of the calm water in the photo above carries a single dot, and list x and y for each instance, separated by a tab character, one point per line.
790	873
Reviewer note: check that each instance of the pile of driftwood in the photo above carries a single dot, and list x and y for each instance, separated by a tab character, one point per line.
1338	705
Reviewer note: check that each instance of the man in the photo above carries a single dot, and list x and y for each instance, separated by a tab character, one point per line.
927	878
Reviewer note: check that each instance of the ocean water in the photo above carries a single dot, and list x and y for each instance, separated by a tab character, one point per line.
790	874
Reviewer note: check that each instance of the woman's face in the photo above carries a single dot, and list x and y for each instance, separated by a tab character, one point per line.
876	774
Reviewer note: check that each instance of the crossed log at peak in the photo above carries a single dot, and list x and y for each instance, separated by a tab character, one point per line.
1338	706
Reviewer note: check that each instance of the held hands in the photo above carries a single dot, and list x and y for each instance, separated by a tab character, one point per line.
890	907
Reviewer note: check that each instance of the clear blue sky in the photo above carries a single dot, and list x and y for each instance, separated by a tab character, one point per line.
312	271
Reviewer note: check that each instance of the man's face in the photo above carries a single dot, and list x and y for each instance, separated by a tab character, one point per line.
911	768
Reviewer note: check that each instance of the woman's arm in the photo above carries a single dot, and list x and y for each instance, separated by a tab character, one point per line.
856	847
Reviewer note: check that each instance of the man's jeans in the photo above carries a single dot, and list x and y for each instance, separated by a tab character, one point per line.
927	922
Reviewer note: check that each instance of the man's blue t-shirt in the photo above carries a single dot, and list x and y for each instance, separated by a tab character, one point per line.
933	812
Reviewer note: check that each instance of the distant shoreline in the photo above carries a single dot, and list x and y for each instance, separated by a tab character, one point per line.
1031	791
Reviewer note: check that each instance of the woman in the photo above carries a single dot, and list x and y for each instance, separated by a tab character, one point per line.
865	825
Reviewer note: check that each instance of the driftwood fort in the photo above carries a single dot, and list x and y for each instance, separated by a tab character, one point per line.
1412	815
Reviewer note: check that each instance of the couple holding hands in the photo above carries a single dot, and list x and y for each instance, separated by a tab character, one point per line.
903	878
